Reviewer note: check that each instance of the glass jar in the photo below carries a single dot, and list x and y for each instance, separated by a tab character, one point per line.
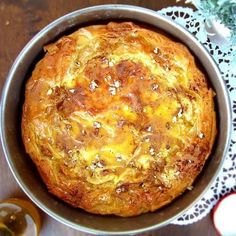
18	217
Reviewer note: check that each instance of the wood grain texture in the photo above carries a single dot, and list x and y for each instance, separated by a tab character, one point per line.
20	20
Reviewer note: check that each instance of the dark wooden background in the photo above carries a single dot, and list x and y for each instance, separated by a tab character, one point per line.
20	20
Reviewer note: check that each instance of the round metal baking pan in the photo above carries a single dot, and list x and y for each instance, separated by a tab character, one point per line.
24	170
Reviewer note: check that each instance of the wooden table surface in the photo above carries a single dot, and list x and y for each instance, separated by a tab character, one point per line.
20	20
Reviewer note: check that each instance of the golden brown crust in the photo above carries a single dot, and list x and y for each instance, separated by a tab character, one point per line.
118	119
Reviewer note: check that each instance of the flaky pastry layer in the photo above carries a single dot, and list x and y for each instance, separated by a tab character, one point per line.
118	119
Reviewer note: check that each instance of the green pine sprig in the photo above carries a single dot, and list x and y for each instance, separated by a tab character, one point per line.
223	11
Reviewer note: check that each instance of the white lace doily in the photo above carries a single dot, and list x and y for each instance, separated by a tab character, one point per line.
225	57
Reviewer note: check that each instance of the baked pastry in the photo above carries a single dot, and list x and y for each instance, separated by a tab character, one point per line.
118	119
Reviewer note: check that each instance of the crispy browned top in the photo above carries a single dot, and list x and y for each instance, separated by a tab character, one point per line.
118	119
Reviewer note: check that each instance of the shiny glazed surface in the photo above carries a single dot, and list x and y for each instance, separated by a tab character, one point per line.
118	119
